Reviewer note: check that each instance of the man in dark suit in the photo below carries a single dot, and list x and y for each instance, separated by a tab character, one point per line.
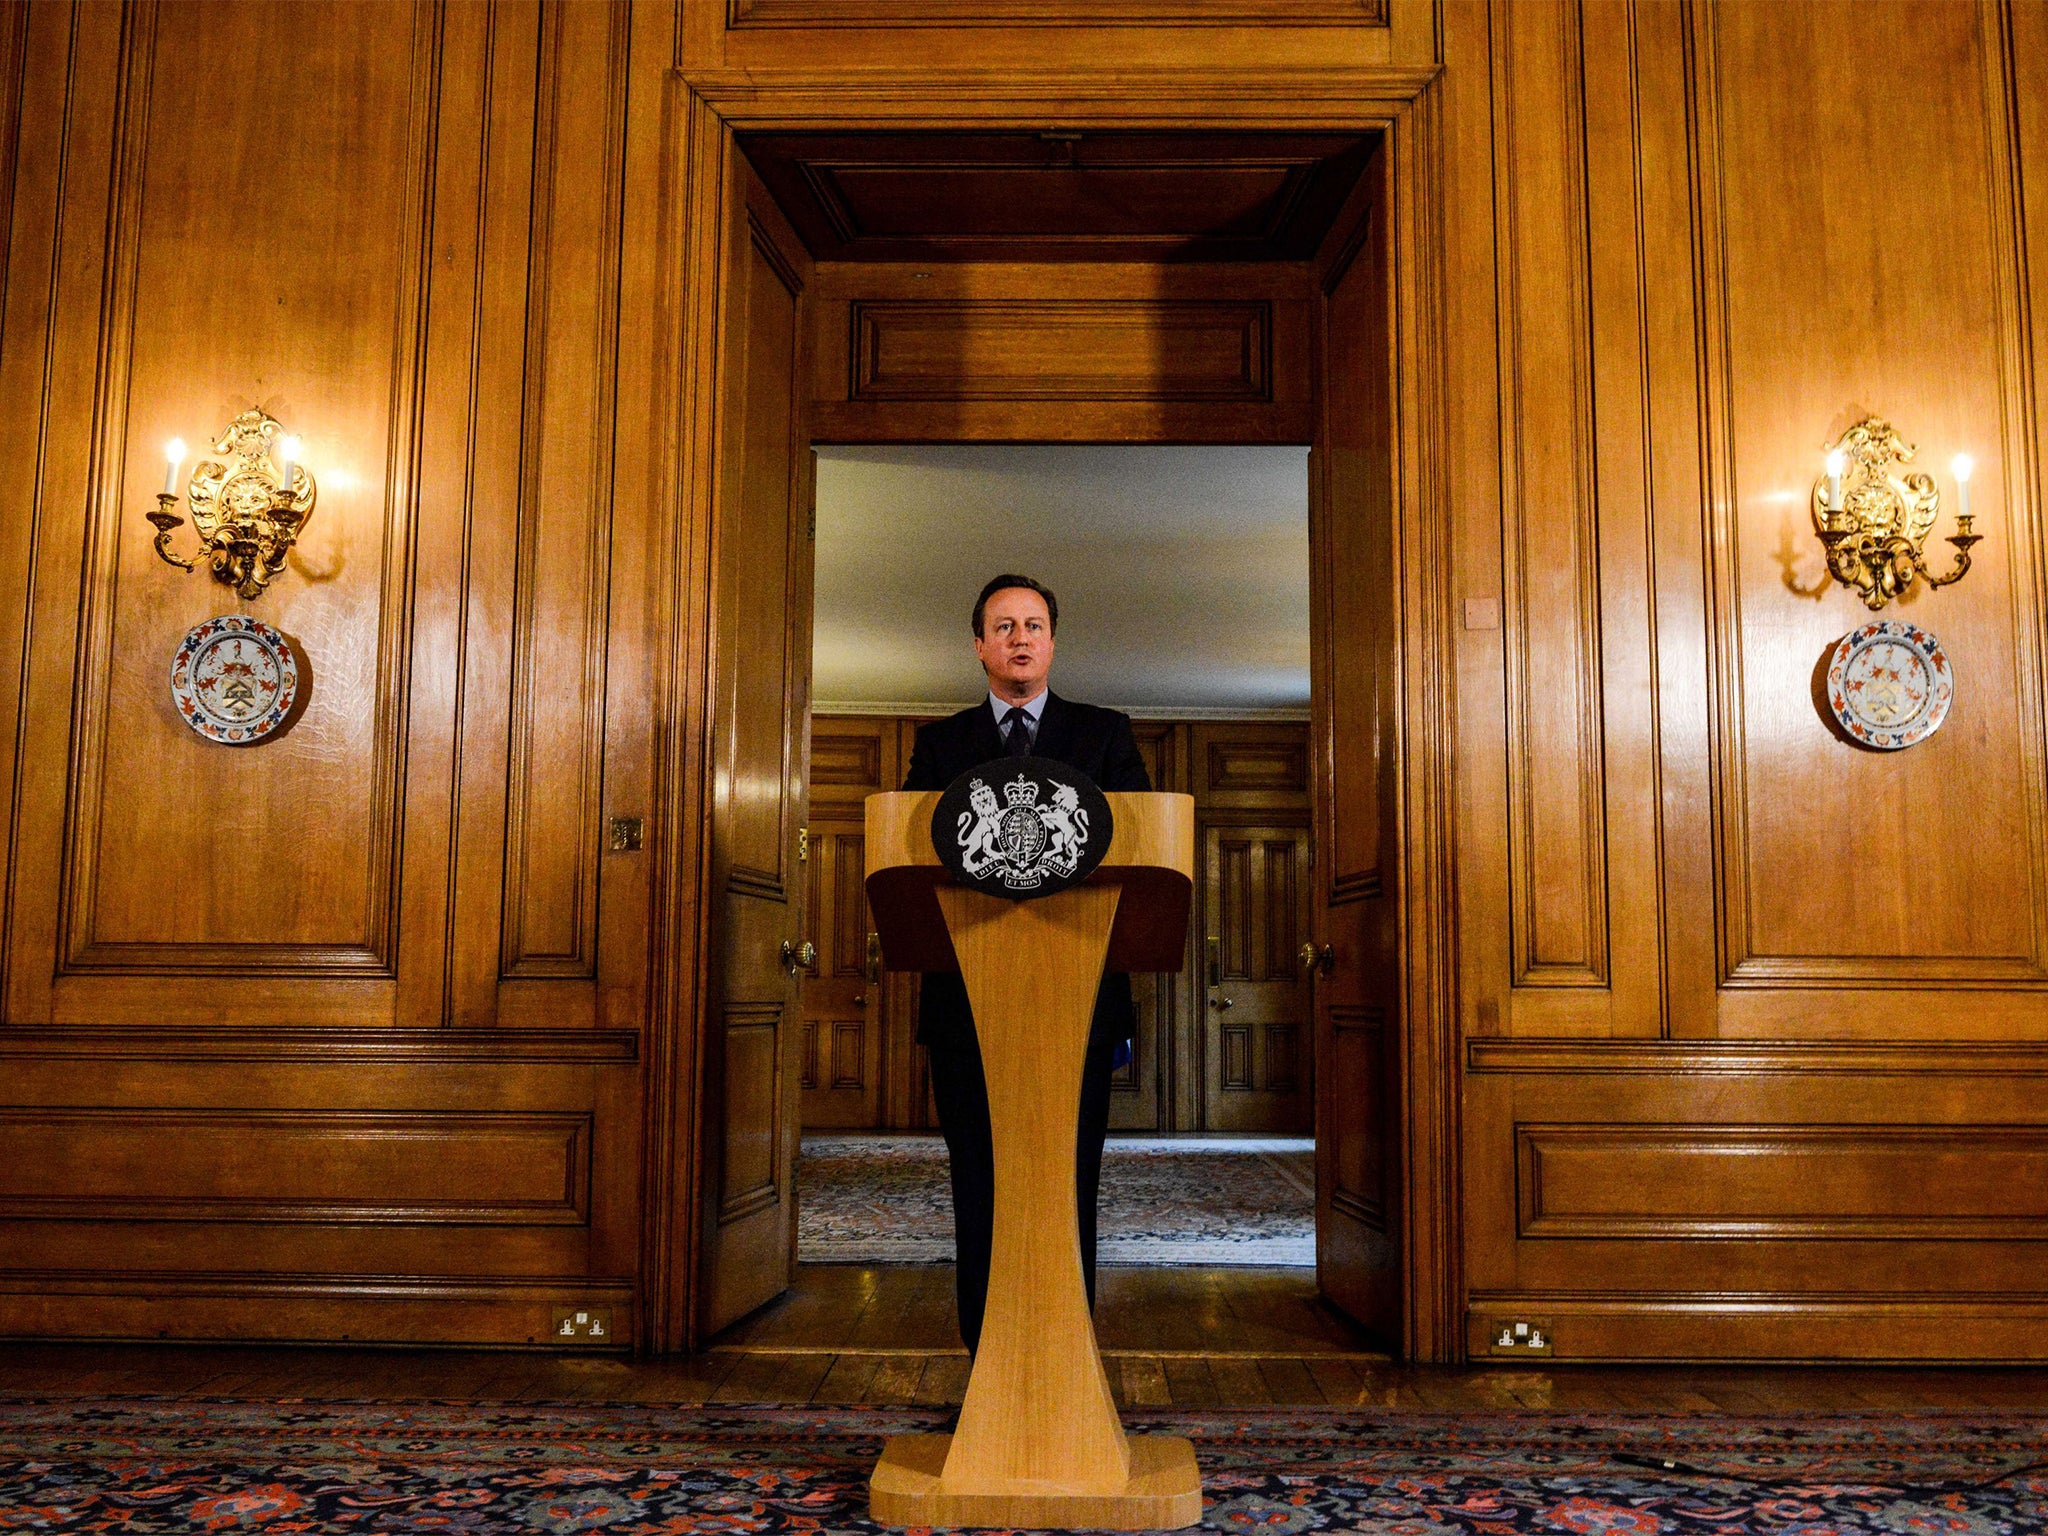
1014	622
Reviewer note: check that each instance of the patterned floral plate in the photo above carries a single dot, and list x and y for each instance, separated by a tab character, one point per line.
1890	684
234	680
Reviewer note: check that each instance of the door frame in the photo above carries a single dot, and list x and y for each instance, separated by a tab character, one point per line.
703	112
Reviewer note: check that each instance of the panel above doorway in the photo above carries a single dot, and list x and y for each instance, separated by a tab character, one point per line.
1060	195
1053	13
1061	352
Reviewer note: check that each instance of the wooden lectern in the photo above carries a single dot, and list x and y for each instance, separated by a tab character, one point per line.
1039	1443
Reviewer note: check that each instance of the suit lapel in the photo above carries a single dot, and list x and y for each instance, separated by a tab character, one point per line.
988	741
1055	729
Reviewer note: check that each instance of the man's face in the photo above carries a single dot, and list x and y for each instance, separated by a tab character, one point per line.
1015	644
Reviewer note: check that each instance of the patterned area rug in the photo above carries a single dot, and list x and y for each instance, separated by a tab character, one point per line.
1193	1200
142	1466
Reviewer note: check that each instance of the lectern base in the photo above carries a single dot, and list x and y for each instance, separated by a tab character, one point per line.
1164	1493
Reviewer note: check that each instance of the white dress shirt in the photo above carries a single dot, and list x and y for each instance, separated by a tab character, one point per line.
1032	708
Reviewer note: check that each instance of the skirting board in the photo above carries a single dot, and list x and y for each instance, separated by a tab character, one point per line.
511	1313
1784	1329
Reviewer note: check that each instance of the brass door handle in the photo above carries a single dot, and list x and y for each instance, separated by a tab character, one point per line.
1221	1003
1314	959
799	957
860	999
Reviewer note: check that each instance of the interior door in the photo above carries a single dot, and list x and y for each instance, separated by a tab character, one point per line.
1354	606
843	995
762	665
1256	1070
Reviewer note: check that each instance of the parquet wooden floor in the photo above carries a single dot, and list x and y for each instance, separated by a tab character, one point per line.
1185	1338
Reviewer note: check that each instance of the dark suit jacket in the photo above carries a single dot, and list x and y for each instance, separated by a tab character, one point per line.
1096	741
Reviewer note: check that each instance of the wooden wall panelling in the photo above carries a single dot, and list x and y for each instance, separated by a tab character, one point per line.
1067	350
554	830
460	536
410	412
123	1164
1828	1201
1792	1200
39	139
65	185
646	551
1923	331
1557	856
1251	767
989	13
1796	1194
13	62
852	757
1052	352
1074	37
1675	488
179	897
275	1183
475	470
514	189
1939	1182
1572	938
1631	524
1473	325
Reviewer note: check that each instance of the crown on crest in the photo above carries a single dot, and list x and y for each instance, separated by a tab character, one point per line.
1021	791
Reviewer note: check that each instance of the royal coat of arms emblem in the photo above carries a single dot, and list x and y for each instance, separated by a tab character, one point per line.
1022	827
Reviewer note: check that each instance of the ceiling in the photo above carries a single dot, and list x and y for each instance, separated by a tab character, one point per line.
1059	196
1182	573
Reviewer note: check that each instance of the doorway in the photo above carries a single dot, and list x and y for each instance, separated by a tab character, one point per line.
1151	288
1182	578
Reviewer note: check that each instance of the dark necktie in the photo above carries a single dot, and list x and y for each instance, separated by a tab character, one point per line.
1016	733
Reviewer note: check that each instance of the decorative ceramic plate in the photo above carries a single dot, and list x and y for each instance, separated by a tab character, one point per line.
1890	684
234	679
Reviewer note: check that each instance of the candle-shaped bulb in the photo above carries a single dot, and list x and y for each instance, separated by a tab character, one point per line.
287	456
1961	465
174	456
1837	462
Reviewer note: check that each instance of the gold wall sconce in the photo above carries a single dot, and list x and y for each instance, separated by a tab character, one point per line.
248	505
1874	522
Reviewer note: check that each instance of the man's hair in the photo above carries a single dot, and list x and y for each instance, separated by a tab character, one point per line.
1002	583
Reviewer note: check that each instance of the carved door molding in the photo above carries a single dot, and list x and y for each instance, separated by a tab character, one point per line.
1396	100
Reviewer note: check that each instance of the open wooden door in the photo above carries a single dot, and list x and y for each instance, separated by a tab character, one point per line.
761	597
1355	613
